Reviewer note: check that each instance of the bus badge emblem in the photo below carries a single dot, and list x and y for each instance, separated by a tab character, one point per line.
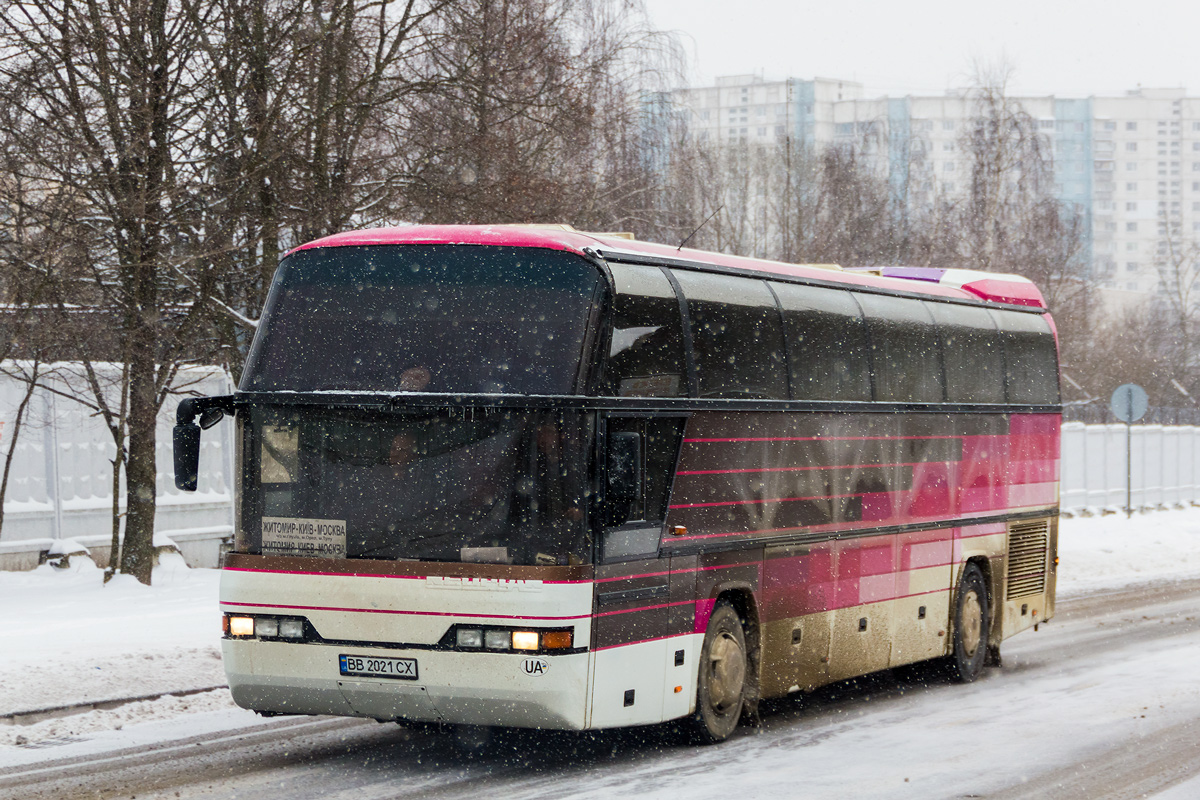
535	666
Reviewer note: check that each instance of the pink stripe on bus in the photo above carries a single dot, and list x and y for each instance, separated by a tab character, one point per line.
644	608
679	571
819	438
847	527
730	566
704	609
802	469
640	641
394	611
760	502
643	575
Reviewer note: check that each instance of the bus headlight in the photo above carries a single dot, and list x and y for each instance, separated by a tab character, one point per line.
470	637
263	627
499	640
291	628
525	640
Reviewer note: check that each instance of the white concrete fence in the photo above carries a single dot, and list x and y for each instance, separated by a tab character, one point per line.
1165	459
60	483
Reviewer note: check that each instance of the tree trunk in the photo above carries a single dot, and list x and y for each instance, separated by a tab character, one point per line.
117	429
114	551
137	554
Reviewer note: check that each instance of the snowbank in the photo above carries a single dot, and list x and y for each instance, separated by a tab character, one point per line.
1112	551
68	638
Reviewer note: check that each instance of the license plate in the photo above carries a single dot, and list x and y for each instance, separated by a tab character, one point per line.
377	667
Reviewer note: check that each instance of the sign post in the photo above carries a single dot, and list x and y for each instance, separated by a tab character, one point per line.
1129	403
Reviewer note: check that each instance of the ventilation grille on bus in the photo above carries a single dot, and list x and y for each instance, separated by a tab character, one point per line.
1027	546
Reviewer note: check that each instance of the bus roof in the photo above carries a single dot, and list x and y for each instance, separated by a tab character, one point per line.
960	284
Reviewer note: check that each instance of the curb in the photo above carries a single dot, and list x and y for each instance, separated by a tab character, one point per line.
53	712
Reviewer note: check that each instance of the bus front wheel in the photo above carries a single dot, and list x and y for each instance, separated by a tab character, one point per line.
721	684
970	626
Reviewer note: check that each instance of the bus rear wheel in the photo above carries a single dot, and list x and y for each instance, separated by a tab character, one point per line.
970	627
721	684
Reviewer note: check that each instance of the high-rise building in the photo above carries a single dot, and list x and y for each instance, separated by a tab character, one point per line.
1129	165
747	108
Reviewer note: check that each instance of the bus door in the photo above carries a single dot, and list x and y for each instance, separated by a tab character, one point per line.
633	603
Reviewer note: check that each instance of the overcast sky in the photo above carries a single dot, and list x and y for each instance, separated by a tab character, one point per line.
1064	47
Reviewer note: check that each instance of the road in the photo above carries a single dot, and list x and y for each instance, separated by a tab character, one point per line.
1102	702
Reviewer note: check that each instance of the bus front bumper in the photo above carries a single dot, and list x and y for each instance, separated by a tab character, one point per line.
470	688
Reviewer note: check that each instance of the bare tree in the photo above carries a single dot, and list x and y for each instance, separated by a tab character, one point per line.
1129	346
854	220
536	116
302	135
1177	263
104	119
1010	220
1010	167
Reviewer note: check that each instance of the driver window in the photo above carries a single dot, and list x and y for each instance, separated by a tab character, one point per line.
737	336
660	452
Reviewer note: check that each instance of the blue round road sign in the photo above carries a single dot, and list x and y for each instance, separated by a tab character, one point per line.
1129	402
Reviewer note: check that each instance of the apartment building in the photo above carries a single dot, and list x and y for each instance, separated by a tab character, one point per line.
1130	164
742	109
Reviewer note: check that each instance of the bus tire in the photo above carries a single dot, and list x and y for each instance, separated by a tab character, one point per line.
721	682
970	627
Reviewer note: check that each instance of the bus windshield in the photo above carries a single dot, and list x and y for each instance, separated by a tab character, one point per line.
432	318
504	487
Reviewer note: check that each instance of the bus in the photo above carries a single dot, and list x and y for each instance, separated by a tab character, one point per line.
534	477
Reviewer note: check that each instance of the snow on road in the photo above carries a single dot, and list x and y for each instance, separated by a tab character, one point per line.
1060	700
70	639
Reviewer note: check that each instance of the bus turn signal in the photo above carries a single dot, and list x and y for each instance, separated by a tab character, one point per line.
556	640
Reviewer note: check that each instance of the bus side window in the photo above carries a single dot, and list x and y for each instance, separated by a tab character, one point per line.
645	358
972	352
827	343
1030	357
904	350
660	451
737	336
663	436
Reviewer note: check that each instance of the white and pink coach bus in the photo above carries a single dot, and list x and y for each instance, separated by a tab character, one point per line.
532	477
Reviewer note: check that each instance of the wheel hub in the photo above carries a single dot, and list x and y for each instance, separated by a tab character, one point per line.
972	623
727	673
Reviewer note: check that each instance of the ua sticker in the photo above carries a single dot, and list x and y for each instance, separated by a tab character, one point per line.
534	666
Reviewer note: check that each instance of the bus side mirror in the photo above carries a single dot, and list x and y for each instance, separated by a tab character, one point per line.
187	444
210	411
623	489
187	455
210	416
